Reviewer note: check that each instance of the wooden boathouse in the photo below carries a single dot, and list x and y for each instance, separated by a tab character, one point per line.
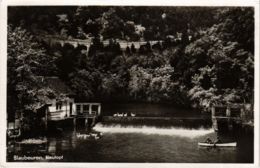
63	108
230	115
87	111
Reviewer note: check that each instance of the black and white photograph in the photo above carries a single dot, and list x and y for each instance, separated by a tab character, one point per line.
130	84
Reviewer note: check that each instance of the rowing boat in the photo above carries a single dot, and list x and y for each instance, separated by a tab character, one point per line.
231	144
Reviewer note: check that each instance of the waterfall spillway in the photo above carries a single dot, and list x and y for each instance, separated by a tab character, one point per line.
172	131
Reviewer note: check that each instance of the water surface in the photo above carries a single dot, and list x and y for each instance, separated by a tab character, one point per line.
141	143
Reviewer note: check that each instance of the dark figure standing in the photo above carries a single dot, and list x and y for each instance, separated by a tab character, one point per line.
218	140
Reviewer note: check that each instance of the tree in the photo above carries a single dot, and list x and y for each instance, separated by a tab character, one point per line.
86	84
26	60
161	85
139	82
221	61
113	86
237	25
112	25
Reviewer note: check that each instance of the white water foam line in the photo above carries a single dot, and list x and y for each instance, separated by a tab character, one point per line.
173	131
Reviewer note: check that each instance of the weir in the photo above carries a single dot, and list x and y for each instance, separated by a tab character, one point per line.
188	122
149	130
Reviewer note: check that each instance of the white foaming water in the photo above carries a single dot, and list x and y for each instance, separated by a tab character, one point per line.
173	131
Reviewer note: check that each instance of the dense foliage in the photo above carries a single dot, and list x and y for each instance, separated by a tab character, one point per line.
226	74
128	23
216	65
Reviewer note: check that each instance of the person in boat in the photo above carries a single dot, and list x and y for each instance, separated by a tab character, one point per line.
209	141
218	140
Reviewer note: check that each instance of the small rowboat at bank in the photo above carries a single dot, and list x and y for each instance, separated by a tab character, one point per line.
231	144
33	141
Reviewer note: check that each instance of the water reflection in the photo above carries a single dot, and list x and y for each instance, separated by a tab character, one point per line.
68	142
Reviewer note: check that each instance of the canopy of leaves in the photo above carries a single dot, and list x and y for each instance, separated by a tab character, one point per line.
216	65
26	60
127	23
222	61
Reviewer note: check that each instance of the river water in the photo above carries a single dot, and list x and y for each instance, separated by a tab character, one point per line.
140	143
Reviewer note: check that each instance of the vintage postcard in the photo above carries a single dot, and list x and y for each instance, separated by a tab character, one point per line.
133	84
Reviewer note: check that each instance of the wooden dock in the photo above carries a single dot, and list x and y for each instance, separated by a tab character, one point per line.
89	112
229	114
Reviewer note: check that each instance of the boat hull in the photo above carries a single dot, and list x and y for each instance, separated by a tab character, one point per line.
232	144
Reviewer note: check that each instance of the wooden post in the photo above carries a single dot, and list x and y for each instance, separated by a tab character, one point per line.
93	122
46	119
99	110
90	109
242	113
86	122
228	111
74	122
66	103
213	117
81	109
76	109
215	124
213	111
230	124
